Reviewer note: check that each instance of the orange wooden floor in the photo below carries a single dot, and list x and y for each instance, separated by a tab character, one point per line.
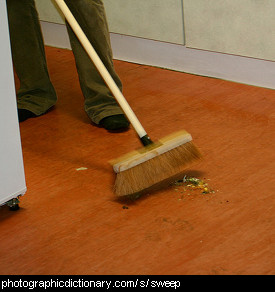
70	222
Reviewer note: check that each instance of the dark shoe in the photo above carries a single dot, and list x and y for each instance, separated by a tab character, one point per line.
24	114
115	123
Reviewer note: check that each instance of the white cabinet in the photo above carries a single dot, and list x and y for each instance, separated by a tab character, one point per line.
12	176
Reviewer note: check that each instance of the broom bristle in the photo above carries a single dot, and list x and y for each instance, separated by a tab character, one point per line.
156	169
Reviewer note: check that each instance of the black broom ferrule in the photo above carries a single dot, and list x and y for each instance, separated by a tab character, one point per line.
145	140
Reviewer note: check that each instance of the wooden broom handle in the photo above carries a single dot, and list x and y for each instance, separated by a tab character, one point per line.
101	68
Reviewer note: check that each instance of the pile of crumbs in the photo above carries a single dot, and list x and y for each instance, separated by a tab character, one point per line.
192	183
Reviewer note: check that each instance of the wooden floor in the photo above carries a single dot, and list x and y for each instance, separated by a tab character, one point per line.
70	221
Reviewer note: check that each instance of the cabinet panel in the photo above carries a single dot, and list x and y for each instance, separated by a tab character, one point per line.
12	177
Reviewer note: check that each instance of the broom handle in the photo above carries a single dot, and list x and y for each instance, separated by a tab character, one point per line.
104	73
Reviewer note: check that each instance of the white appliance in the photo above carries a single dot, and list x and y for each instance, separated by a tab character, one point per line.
12	176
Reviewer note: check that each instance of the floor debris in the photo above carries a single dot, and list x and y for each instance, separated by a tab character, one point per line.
81	168
192	183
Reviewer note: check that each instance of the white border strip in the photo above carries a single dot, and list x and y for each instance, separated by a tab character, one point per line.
177	57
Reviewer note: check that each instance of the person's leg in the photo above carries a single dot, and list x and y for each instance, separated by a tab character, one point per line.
36	94
99	102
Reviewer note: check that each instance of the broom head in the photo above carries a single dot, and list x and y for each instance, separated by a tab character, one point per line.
152	164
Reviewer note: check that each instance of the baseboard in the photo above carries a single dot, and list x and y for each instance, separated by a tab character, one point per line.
177	57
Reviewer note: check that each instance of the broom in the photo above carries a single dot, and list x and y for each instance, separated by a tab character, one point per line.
155	162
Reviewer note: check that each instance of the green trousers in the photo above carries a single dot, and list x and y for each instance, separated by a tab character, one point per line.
36	92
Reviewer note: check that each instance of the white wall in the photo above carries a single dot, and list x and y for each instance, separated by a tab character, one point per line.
160	20
239	27
228	39
152	19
